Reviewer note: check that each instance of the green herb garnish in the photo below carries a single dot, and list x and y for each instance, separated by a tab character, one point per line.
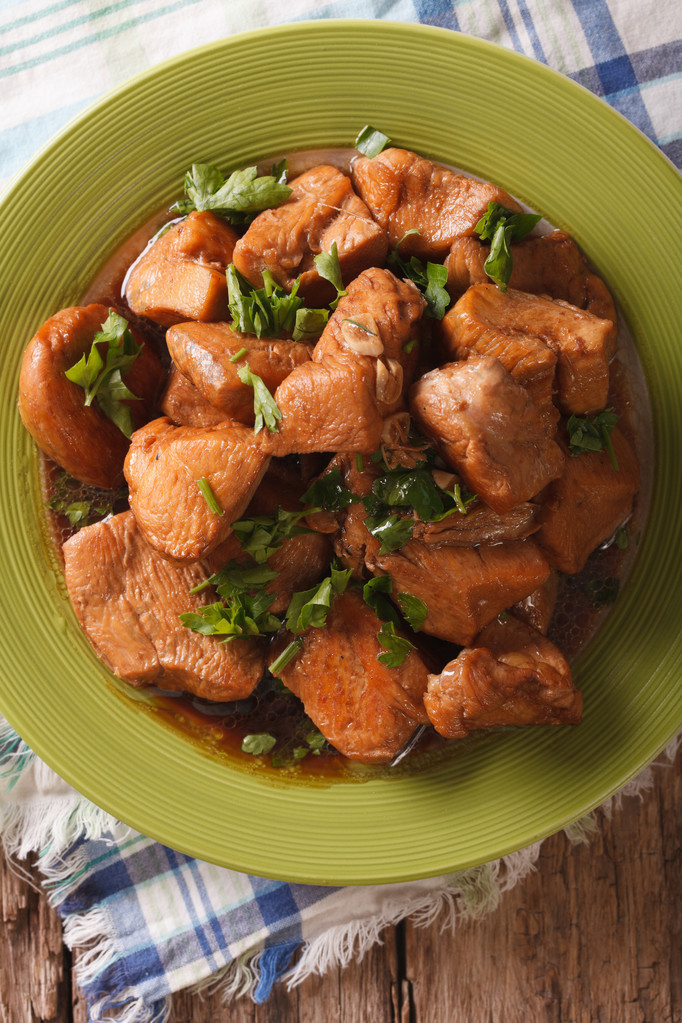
328	267
374	594
593	434
392	530
371	142
309	324
262	536
258	743
235	577
100	373
238	355
329	492
244	614
397	647
238	198
309	608
271	311
430	279
501	226
265	407
286	656
414	609
81	505
209	497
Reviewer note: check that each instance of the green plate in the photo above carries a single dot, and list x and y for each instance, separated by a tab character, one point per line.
303	86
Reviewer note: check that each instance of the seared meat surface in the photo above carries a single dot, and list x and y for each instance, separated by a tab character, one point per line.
182	275
487	427
364	708
79	438
322	210
128	598
404	191
184	406
513	675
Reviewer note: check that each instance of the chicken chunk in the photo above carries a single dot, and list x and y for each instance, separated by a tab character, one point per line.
480	525
128	598
404	191
463	589
587	503
79	437
487	319
181	276
538	607
513	675
364	708
163	469
549	265
487	427
204	353
183	404
322	210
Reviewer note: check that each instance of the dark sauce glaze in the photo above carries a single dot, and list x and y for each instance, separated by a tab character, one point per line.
218	729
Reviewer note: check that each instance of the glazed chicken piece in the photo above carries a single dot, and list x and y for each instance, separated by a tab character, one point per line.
587	503
364	708
487	320
182	274
463	588
404	191
480	525
322	210
203	352
549	265
537	608
377	319
488	429
184	406
163	467
128	598
80	438
513	675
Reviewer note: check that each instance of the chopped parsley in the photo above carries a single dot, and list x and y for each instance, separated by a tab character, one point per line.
501	226
414	609
430	279
100	372
329	492
209	497
309	608
258	743
374	594
328	267
244	614
397	647
81	505
286	656
271	311
265	407
262	536
371	142
238	197
594	434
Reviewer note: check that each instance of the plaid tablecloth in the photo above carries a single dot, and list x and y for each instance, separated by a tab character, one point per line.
159	920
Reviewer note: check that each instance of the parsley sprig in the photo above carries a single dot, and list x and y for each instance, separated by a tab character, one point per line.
329	492
501	226
266	409
370	142
397	647
328	267
244	606
309	608
100	373
430	278
262	535
271	311
238	197
585	434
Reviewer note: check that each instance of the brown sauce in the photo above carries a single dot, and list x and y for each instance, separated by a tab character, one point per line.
219	729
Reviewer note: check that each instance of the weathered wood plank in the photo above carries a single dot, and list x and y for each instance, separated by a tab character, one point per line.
593	935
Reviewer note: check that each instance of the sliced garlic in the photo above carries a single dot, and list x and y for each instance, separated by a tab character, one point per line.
389	380
361	336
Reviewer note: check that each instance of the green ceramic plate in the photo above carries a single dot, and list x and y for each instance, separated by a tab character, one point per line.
466	103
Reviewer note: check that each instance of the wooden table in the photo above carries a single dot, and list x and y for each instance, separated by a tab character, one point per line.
594	936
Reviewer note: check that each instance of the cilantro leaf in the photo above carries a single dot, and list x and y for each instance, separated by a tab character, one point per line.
374	594
309	608
262	536
585	434
271	311
371	142
414	609
329	492
309	324
393	532
397	647
234	578
430	279
243	193
258	743
100	372
500	226
410	488
265	407
243	615
328	267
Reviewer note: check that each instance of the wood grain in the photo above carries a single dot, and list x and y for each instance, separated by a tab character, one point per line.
593	936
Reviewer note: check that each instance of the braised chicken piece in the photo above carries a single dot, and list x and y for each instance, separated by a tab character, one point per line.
322	210
377	319
365	709
537	608
463	588
587	503
163	469
480	525
549	265
404	191
79	437
487	427
513	675
204	353
128	599
183	404
486	318
181	276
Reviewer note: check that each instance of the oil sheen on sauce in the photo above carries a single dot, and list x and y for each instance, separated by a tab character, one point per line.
218	729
